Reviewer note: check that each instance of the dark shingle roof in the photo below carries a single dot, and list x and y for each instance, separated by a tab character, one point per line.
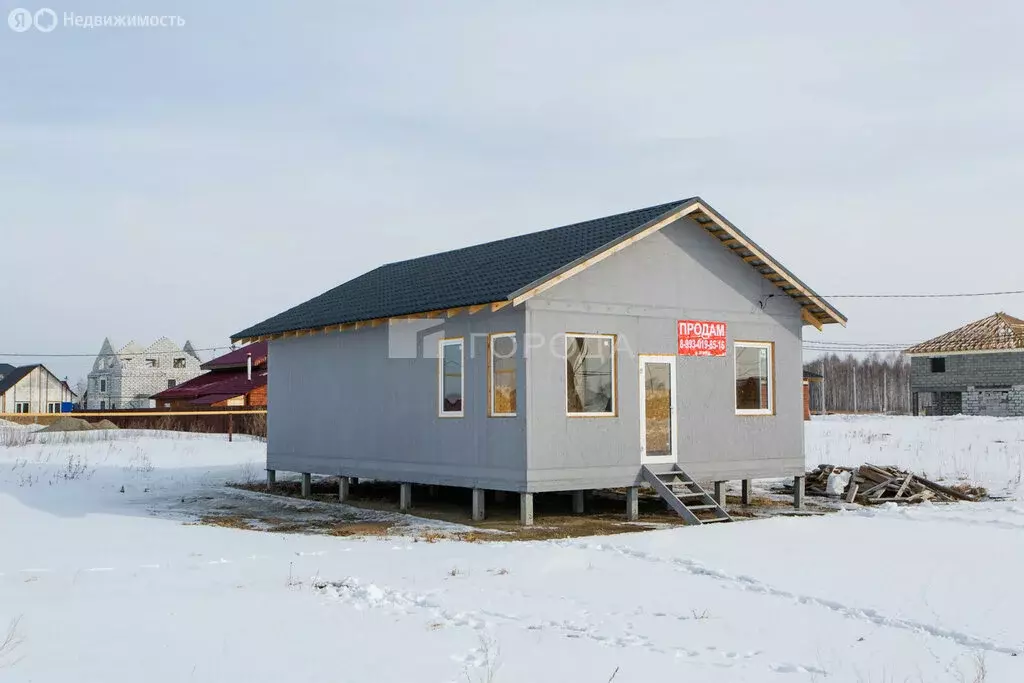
5	368
463	277
14	376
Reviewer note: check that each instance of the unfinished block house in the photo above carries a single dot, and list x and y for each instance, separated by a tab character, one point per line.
977	369
127	378
660	346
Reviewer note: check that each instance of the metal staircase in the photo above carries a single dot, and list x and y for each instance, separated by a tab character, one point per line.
685	496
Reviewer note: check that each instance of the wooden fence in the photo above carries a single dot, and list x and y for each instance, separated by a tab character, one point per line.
213	421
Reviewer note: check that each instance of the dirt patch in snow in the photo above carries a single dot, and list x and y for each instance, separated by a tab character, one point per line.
68	424
553	516
77	424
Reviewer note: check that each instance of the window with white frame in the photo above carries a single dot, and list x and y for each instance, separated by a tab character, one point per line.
755	381
590	375
502	378
21	406
53	407
450	378
179	362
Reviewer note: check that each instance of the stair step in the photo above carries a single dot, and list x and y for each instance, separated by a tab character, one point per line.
675	487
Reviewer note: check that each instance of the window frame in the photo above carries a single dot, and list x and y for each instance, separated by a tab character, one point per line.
18	405
615	372
441	344
491	385
935	361
754	344
53	407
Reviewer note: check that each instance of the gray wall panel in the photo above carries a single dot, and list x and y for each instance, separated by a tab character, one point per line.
339	405
639	294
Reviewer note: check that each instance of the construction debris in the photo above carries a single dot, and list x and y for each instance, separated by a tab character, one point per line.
872	484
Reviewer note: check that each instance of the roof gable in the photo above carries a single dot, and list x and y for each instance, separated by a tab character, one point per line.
516	268
997	332
16	375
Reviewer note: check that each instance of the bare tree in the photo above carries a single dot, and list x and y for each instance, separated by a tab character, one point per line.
875	383
9	643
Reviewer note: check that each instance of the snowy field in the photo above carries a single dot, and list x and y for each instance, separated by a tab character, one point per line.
105	579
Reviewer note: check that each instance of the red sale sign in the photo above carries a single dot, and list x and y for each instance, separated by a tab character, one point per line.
701	338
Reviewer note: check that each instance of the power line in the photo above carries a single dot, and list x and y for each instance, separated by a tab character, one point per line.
115	353
921	296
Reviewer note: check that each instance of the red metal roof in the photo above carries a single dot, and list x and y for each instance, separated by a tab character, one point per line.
239	357
211	399
227	383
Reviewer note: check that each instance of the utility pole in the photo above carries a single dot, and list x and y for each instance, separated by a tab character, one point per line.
885	391
854	388
824	406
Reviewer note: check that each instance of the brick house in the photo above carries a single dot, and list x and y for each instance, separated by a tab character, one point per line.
127	378
236	379
977	369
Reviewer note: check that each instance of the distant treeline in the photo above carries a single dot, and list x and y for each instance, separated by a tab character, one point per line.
870	384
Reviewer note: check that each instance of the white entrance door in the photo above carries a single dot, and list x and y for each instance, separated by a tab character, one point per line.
658	437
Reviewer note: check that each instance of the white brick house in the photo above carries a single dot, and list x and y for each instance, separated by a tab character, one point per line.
127	378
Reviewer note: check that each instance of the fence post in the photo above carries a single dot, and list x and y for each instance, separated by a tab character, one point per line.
231	425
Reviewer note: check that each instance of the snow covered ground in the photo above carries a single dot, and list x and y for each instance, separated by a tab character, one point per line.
112	586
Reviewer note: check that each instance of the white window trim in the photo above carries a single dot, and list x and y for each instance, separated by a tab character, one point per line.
770	410
615	372
441	343
491	384
670	361
18	404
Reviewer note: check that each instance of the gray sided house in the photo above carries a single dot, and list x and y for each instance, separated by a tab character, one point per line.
977	369
658	346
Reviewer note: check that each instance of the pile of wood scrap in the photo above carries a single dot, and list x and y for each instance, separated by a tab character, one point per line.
871	484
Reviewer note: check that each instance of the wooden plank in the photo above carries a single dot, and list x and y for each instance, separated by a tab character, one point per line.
939	488
473	310
877	487
851	493
904	485
809	318
498	305
452	312
725	226
376	322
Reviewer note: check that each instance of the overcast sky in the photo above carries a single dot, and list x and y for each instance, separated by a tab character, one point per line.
191	181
